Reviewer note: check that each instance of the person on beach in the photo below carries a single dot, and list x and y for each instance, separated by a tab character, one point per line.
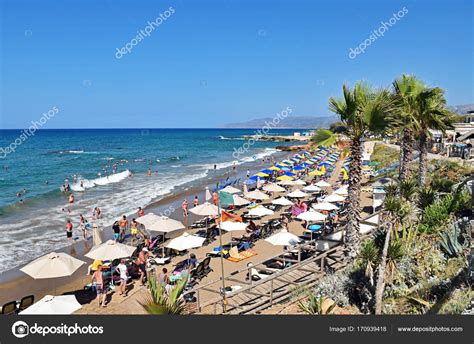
123	271
184	205
195	201
215	167
163	277
100	288
149	172
97	213
141	262
71	199
123	223
116	229
69	231
215	198
140	212
82	226
248	173
134	231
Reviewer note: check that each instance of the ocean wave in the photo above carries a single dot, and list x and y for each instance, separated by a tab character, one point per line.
88	184
230	138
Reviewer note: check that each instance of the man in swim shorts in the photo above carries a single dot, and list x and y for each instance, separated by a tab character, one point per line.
69	231
123	223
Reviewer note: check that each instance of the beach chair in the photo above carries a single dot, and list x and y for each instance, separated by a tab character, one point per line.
26	302
9	308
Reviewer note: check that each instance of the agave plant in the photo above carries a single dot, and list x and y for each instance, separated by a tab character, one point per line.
395	252
426	197
408	189
391	190
450	242
161	302
315	305
369	256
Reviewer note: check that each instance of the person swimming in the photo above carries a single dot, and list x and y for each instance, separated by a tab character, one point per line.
71	198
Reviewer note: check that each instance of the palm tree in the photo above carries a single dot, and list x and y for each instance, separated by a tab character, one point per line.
431	114
406	89
161	302
363	111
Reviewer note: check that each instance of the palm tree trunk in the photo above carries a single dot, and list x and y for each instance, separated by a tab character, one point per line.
380	286
406	154
423	167
352	236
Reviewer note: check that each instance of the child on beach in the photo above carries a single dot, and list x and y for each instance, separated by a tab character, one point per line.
184	205
123	271
69	232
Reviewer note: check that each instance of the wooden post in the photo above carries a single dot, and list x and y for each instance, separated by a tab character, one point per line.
198	301
271	292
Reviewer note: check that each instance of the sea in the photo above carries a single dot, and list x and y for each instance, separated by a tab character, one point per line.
107	168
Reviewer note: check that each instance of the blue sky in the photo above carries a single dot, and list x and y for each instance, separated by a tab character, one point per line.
213	62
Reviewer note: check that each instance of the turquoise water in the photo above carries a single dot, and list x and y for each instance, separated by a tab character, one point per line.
101	160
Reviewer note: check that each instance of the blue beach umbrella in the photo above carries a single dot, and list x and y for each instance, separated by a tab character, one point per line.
298	168
289	174
267	171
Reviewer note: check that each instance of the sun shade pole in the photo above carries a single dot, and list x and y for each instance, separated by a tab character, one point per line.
219	215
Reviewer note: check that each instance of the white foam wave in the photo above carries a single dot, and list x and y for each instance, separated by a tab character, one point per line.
88	184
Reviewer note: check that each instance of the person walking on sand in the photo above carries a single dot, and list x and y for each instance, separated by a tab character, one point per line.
100	288
141	261
69	231
184	205
134	231
123	271
123	223
196	201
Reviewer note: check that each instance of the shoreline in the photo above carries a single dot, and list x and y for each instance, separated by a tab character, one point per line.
12	281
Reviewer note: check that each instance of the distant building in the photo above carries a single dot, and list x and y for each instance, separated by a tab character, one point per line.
297	134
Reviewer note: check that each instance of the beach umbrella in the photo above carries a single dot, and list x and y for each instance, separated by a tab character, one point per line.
286	182
283	238
231	226
245	189
274	168
273	188
299	182
298	168
334	198
96	235
323	184
286	169
185	242
52	265
256	194
230	189
325	206
267	171
341	191
297	194
281	178
162	224
260	211
64	304
312	188
208	194
110	250
290	174
282	201
205	209
261	174
240	201
259	184
312	216
316	173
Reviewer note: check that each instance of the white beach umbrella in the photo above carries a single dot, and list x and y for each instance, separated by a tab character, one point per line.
52	265
299	182
312	216
185	242
148	220
286	182
245	189
283	238
231	226
230	189
341	191
64	304
282	201
297	194
96	235
239	201
273	188
323	184
162	224
325	206
208	194
260	211
334	198
205	209
110	250
312	188
256	194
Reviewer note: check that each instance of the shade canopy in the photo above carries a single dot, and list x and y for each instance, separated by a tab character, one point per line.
325	206
185	242
299	182
312	216
231	226
205	209
240	201
312	188
284	177
273	188
110	250
341	191
52	265
230	189
260	211
282	201
256	194
334	198
283	238
286	182
64	304
161	224
297	194
323	184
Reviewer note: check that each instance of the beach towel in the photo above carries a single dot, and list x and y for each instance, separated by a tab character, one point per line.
230	217
236	256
